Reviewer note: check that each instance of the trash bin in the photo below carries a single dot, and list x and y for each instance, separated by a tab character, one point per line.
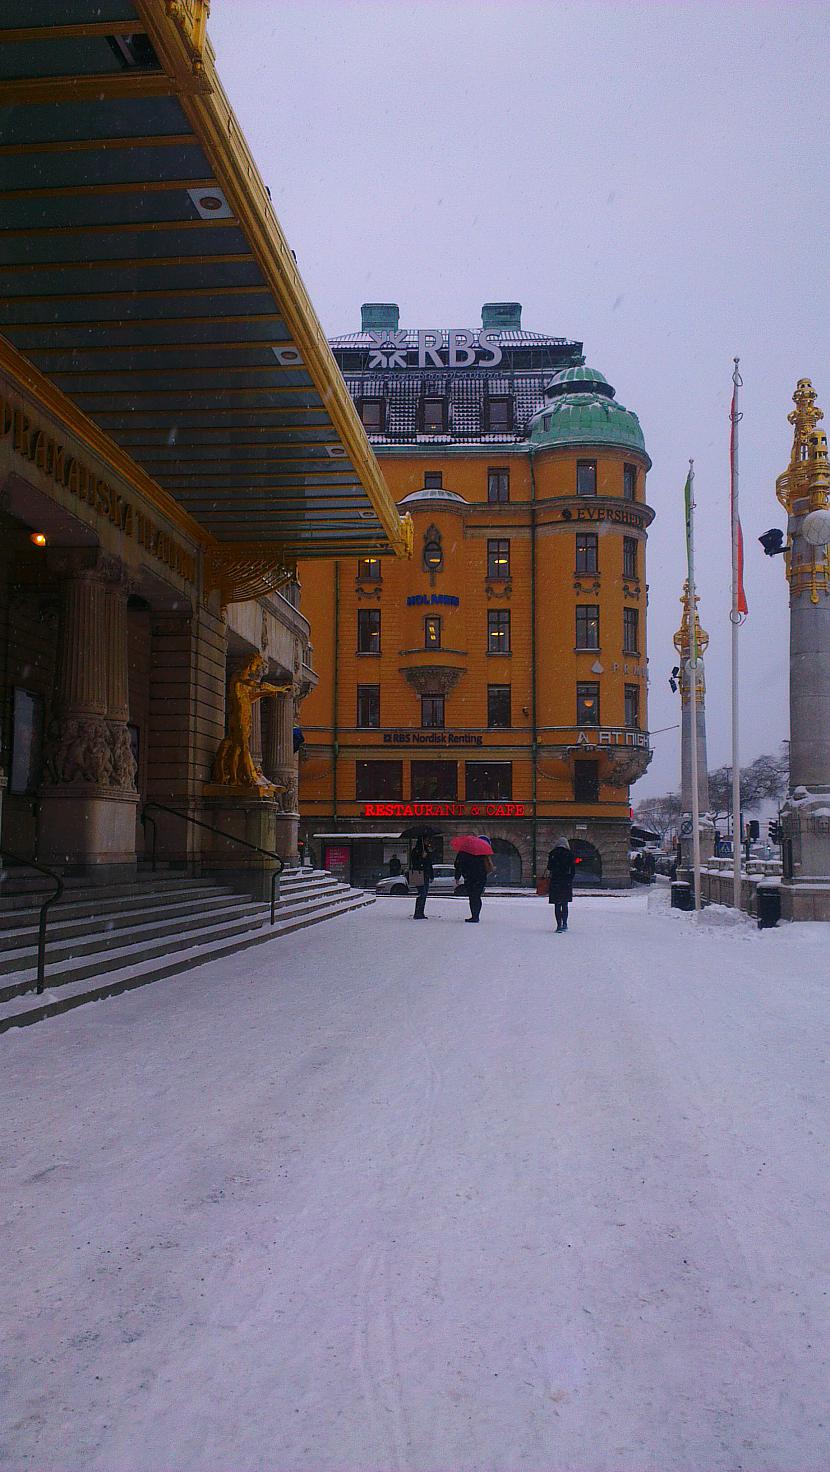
681	895
769	906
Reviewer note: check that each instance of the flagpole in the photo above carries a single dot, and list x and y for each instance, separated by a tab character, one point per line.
736	619
690	544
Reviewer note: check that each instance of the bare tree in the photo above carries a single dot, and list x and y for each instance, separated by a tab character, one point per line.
660	813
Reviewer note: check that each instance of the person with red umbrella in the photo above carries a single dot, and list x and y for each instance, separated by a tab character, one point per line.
473	862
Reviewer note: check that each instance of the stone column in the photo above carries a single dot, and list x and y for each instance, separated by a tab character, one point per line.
280	766
804	490
88	801
682	643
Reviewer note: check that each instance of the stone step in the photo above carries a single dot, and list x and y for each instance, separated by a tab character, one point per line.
20	949
100	897
21	1010
66	917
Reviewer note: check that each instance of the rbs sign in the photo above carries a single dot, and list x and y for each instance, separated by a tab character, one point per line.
464	348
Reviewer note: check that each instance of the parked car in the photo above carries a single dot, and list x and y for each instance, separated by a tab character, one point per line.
443	883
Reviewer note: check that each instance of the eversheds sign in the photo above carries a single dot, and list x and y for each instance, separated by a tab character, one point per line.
463	348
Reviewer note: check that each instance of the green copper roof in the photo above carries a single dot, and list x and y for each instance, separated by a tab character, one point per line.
581	411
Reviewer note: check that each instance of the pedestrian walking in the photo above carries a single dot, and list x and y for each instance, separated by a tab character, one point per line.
421	874
561	868
472	869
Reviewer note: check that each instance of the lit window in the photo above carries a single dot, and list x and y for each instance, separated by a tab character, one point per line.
587	705
631	631
587	626
629	557
498	558
586	477
368	631
498	631
630	482
498	485
368	569
586	552
432	632
432	712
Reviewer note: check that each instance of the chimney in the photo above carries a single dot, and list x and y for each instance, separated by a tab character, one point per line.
502	314
379	317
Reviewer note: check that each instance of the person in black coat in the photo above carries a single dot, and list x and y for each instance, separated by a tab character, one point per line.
420	860
561	869
473	870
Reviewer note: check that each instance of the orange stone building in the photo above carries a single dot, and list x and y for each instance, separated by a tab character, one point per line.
497	681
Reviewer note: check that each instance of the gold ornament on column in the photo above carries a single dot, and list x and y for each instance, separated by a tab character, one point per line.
683	644
234	766
805	487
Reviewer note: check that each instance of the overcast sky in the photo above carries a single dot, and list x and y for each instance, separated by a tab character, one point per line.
648	178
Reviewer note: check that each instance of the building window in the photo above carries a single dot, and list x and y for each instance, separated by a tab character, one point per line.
587	704
432	712
434	416
489	781
586	781
630	482
434	781
433	480
368	631
368	569
498	485
586	477
432	632
630	557
631	631
498	705
371	412
368	705
586	552
632	705
27	741
379	781
498	416
498	631
587	626
498	558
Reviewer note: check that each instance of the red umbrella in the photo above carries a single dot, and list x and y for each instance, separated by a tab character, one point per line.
468	843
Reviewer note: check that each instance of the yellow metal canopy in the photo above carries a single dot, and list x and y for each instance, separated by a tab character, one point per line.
148	285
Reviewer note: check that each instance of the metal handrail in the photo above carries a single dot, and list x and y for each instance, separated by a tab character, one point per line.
162	807
6	853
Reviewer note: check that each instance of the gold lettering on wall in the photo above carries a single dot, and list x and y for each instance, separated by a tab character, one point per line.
50	457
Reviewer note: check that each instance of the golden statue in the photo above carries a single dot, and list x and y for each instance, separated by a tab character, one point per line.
234	766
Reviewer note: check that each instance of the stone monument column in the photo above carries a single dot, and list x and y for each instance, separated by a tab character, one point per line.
86	821
683	645
804	491
280	766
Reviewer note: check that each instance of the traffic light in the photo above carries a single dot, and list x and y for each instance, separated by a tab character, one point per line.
774	830
772	542
753	830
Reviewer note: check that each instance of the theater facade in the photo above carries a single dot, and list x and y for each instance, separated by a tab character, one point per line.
497	681
174	435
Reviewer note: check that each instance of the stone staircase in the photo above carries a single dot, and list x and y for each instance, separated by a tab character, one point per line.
103	941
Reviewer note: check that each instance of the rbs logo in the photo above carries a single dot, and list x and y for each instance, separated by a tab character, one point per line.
463	349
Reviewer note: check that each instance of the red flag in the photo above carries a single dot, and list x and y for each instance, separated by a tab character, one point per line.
739	595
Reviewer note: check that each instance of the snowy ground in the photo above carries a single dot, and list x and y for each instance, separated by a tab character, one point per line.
435	1197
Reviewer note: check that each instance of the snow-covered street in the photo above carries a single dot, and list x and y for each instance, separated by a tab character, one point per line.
437	1197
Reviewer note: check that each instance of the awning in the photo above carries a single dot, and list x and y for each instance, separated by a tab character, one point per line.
150	295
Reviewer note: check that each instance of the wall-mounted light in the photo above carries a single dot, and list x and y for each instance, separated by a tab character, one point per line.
38	539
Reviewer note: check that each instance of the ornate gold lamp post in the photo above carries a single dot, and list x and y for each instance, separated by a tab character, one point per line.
804	491
683	645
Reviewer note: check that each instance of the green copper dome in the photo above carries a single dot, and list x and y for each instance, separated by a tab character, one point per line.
581	410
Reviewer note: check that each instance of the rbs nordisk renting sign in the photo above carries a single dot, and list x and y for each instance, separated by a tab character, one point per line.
463	348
